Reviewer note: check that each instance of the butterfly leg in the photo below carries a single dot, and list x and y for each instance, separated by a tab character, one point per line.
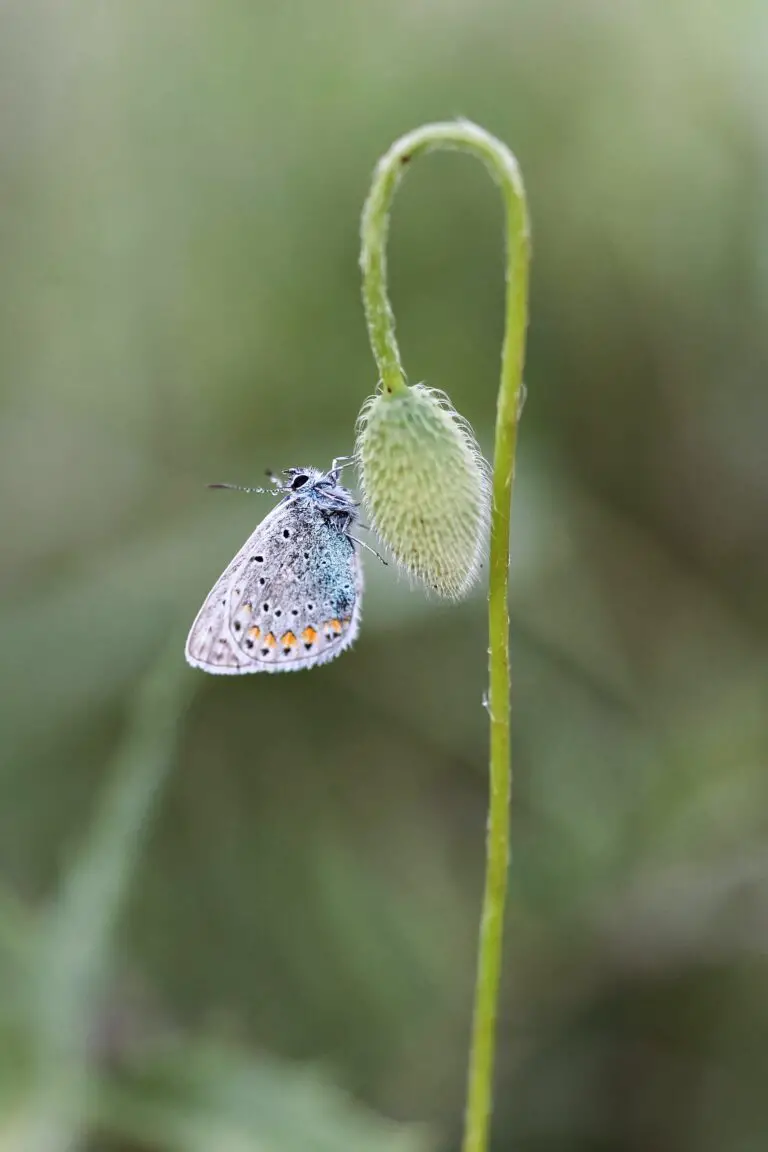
363	544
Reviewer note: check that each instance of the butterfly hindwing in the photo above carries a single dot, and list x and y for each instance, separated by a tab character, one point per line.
300	604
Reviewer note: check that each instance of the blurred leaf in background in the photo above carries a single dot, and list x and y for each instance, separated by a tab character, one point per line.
179	303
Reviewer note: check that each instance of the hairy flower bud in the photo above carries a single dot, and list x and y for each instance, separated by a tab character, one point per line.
426	486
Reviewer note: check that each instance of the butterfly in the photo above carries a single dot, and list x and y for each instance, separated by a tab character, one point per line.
291	597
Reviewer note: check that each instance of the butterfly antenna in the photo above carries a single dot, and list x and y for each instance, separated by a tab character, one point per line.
238	488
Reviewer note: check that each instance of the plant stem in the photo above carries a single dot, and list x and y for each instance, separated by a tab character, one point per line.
465	137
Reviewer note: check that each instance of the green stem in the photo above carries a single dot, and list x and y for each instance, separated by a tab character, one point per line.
465	137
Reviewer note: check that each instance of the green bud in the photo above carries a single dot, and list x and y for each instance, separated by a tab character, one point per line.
426	486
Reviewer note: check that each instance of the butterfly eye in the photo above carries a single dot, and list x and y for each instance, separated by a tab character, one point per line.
298	481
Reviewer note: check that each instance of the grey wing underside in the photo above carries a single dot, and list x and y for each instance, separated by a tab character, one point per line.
272	610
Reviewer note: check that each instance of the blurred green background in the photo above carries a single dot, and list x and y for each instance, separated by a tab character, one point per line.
292	966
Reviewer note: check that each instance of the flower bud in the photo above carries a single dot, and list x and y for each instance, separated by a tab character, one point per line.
426	486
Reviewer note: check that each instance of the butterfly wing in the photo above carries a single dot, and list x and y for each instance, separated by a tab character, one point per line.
289	600
210	645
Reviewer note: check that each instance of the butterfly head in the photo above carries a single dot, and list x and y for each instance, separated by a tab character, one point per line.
321	487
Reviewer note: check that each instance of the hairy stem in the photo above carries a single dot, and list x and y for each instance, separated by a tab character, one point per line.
465	137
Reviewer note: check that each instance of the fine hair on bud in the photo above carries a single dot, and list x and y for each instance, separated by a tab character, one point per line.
426	486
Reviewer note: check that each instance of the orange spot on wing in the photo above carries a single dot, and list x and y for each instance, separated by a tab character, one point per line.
309	635
336	626
254	632
288	640
270	640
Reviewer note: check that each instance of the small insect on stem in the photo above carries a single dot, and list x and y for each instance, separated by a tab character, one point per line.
290	599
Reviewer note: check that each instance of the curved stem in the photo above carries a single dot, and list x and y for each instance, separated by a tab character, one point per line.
465	137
